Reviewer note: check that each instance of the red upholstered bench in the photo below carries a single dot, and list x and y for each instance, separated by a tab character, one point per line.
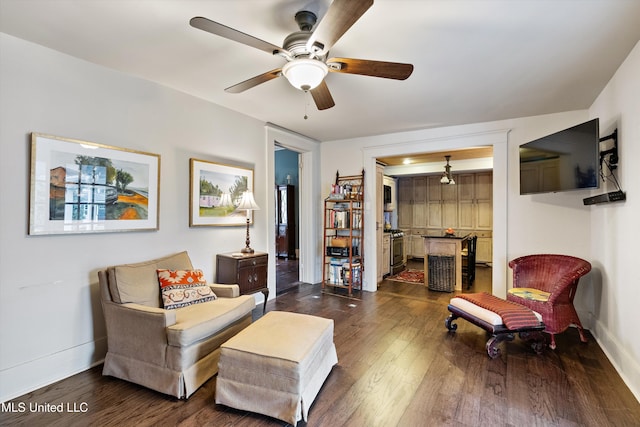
501	318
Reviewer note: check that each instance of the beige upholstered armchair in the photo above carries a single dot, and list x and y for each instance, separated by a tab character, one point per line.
173	351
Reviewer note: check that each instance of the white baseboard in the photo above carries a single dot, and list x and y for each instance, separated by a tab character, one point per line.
623	362
34	374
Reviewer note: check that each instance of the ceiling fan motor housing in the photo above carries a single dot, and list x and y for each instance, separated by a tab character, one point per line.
305	70
296	43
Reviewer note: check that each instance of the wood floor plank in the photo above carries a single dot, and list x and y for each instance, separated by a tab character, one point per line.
398	366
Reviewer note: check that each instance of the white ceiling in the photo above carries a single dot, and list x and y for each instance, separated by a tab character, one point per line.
474	61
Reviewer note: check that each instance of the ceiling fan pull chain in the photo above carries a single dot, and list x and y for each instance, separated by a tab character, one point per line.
306	103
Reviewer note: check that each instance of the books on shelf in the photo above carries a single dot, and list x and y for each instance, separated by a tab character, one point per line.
339	218
357	220
335	271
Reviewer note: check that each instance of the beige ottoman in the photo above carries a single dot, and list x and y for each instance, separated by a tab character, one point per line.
277	365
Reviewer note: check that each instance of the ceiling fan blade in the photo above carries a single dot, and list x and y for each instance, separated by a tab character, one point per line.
218	29
366	67
322	97
254	81
342	14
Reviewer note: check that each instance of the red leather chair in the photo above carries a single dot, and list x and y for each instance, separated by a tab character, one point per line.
547	284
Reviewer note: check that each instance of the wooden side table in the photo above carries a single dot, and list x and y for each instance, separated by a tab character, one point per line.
249	271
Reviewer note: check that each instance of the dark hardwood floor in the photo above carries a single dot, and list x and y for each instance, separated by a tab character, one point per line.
398	366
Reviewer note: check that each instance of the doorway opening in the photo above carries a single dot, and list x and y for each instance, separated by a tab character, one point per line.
424	208
287	234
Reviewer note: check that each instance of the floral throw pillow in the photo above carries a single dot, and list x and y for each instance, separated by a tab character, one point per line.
181	288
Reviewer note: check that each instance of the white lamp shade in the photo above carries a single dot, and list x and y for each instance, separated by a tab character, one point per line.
247	203
305	74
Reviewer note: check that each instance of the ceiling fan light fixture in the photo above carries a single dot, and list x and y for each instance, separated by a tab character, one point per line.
305	74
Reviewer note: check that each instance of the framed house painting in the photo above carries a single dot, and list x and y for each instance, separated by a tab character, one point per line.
83	187
215	192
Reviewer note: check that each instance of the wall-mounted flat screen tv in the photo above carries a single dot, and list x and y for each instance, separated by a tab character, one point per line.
563	161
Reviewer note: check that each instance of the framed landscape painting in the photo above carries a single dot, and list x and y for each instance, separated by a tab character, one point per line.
215	192
83	187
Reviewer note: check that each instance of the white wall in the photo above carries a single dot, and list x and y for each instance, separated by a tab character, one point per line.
50	312
615	228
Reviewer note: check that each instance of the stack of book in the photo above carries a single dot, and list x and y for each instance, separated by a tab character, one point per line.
339	219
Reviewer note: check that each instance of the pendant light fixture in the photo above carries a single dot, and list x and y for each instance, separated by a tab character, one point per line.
447	178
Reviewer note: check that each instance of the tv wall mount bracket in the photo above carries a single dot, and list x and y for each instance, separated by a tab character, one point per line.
612	196
611	152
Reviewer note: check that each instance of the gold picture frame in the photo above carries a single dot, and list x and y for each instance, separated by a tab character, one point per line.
80	187
215	191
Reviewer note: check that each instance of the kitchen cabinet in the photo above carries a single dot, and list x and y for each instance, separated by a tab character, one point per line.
467	207
475	201
412	202
405	203
442	200
484	247
415	244
386	254
419	218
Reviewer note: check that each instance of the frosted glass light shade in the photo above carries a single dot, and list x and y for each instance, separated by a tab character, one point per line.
305	74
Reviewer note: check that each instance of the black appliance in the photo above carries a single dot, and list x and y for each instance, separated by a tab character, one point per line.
397	251
387	194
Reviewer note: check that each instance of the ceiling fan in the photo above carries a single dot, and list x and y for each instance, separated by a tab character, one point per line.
306	51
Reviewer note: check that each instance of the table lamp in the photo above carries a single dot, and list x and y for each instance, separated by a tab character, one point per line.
248	204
